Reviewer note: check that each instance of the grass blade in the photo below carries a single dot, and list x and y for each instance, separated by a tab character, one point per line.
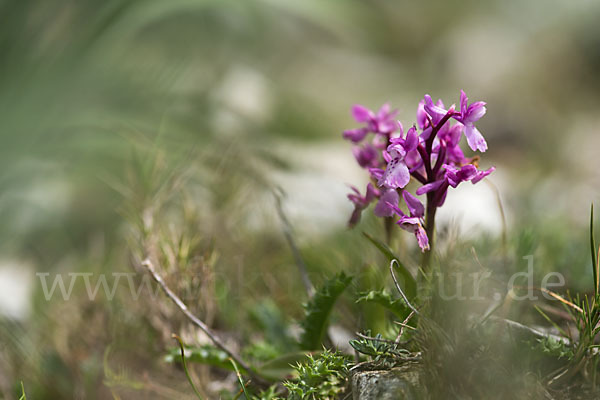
240	379
185	366
554	324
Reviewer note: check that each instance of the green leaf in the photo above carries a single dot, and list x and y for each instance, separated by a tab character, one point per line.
205	354
406	279
318	310
384	298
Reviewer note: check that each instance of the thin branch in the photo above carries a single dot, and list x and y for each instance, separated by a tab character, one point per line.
403	325
553	295
287	232
400	289
195	320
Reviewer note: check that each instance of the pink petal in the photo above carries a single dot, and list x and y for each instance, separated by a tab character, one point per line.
384	208
475	138
355	135
422	115
383	111
361	113
422	238
396	175
415	207
376	173
426	133
463	102
474	112
409	224
412	140
482	174
430	187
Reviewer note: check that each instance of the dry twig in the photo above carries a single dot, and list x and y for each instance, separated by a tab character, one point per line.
195	320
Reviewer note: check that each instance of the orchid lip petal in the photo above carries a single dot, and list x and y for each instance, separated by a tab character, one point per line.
396	175
475	138
422	239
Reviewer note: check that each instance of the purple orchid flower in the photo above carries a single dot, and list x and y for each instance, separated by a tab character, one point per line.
366	155
397	173
435	111
450	138
355	135
482	174
468	116
432	156
382	208
465	173
454	176
414	222
382	122
361	202
422	120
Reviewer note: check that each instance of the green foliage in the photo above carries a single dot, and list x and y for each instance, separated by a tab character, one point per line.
375	347
381	351
583	357
384	298
281	368
240	379
318	309
406	279
269	393
554	348
274	367
23	396
321	378
261	351
205	354
273	325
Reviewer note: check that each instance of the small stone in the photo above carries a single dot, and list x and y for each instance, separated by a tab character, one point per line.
399	383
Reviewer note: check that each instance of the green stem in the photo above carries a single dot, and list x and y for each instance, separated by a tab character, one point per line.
430	229
389	230
196	391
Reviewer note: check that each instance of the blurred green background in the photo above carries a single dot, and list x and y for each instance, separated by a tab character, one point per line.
190	112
